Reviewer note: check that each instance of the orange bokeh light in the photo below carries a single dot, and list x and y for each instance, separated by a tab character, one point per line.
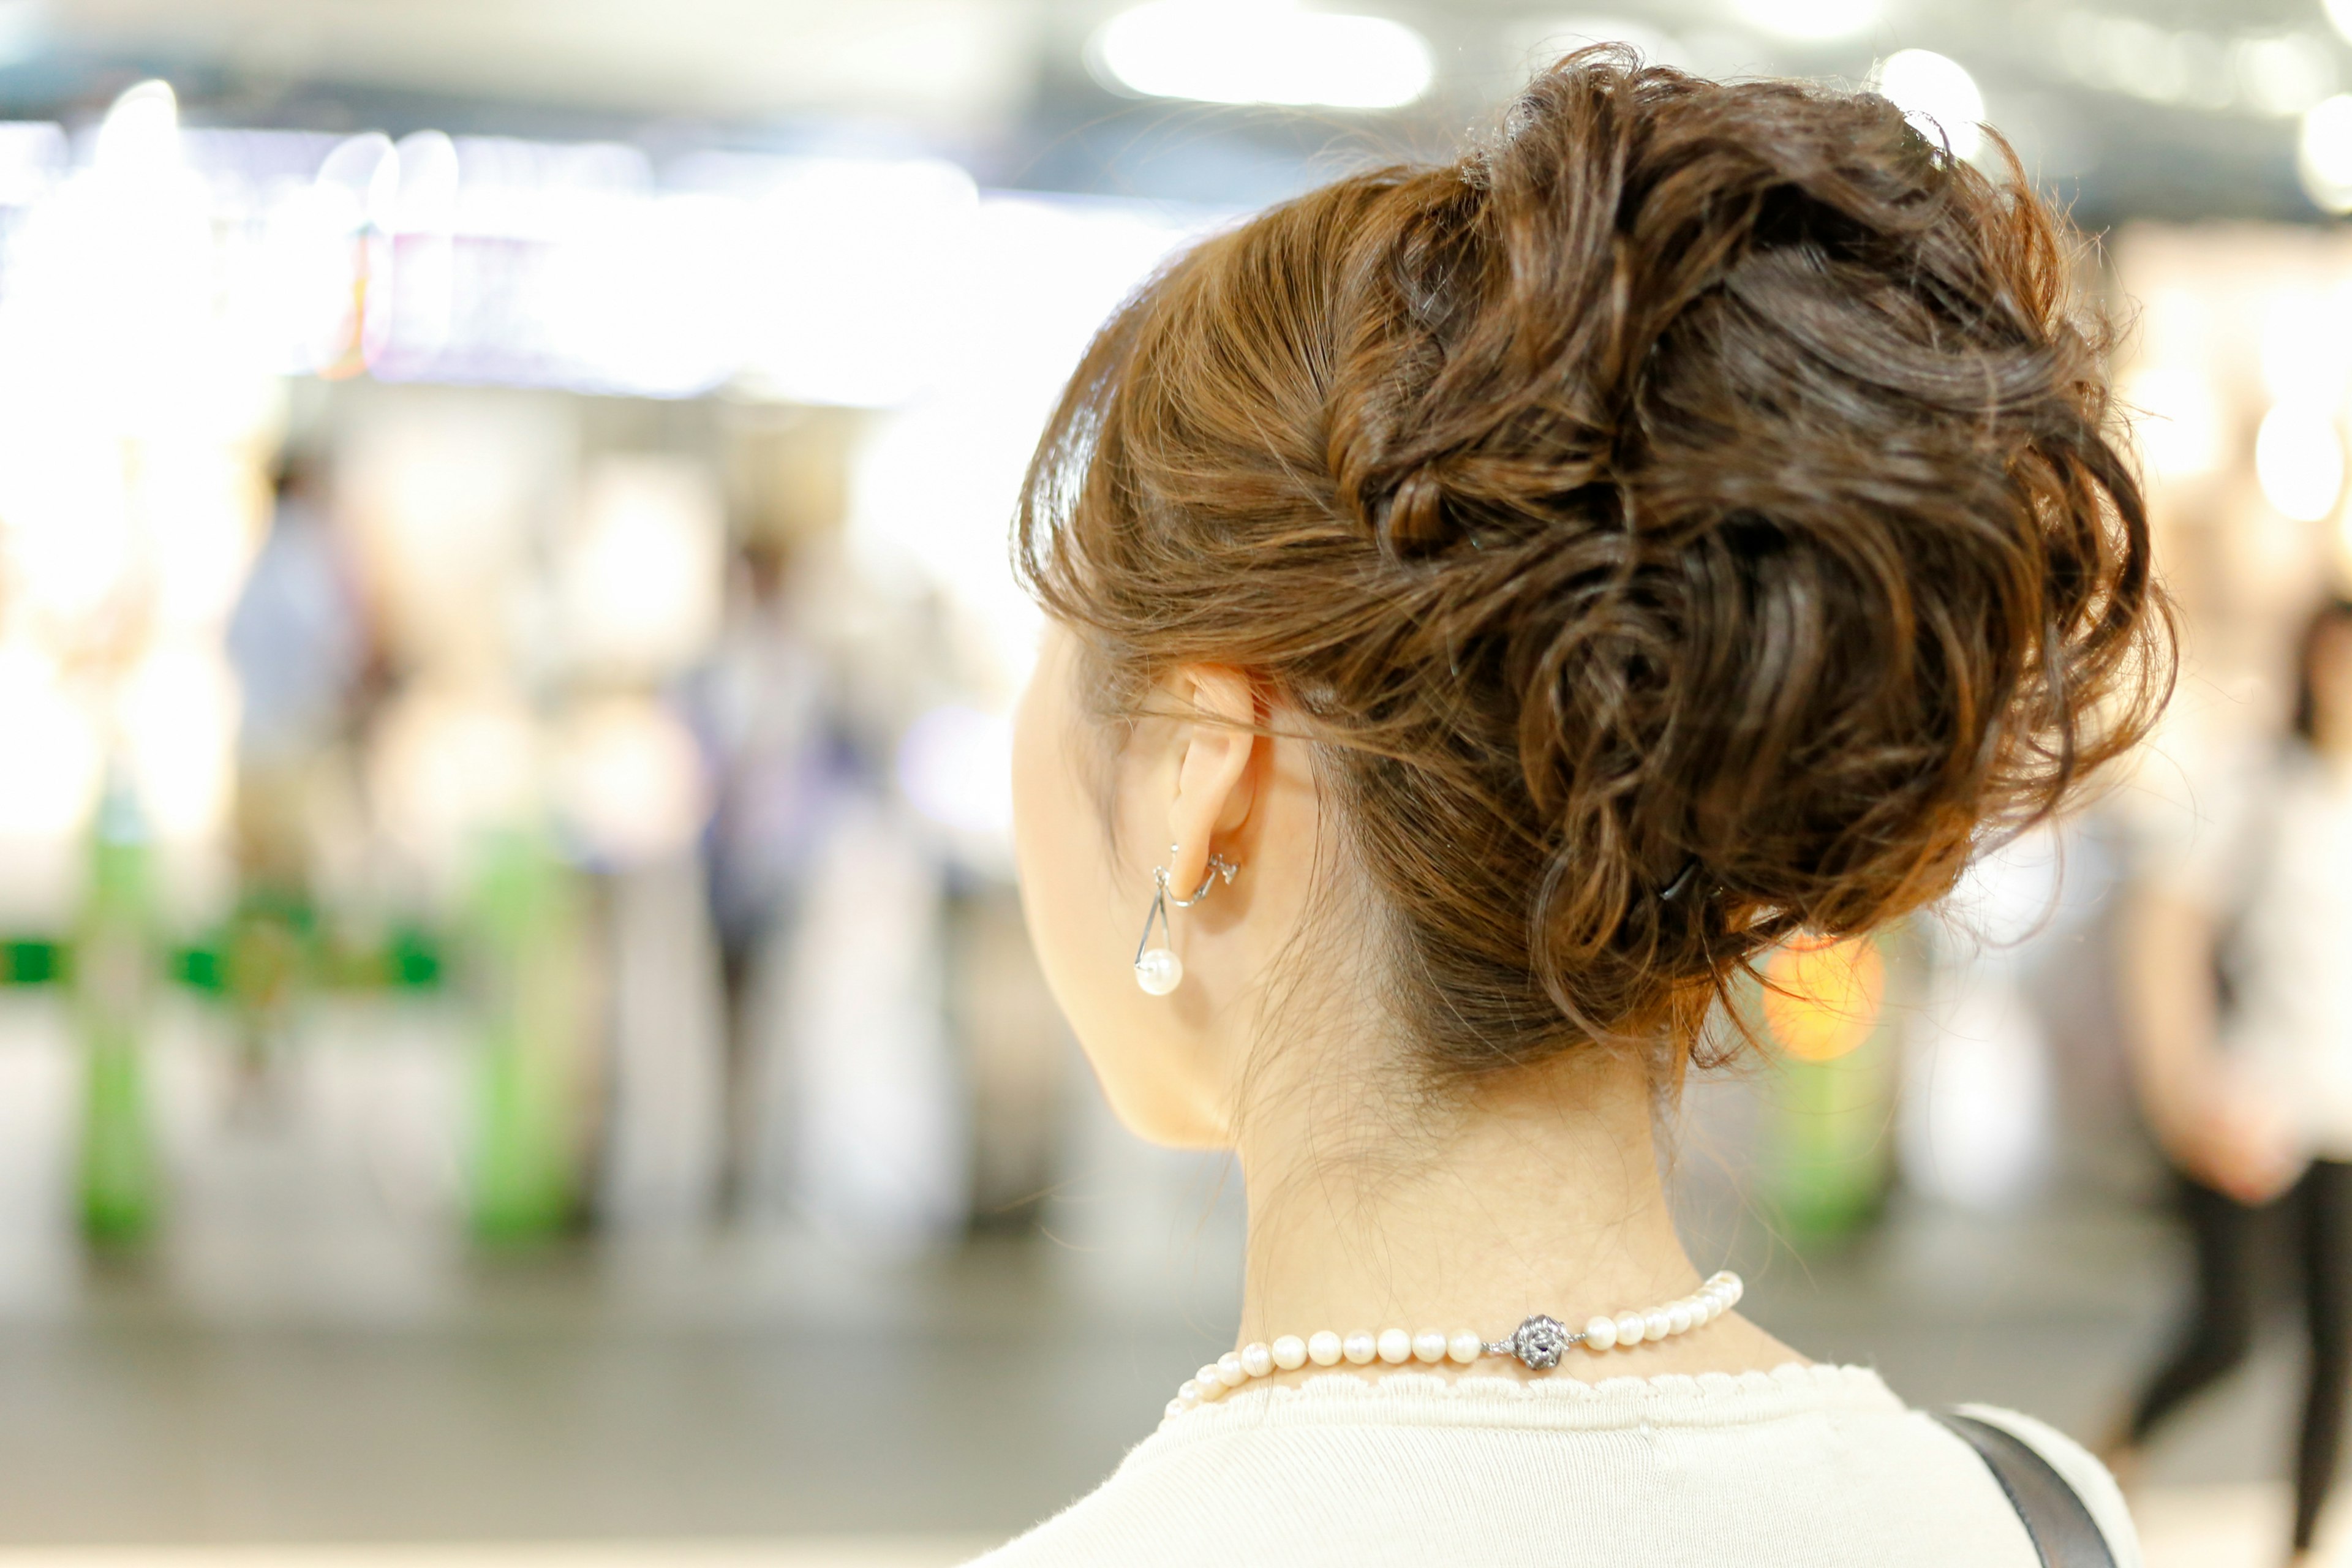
1822	998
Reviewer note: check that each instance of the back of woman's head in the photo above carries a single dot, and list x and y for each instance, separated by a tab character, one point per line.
1691	519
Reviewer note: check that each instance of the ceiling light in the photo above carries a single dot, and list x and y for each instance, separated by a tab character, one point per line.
2323	153
2340	13
1218	51
1936	94
1814	21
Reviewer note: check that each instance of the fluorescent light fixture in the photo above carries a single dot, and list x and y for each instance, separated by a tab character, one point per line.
2299	458
2323	153
1936	94
1812	21
1217	51
2340	13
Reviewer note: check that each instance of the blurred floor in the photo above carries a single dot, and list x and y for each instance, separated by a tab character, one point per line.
563	1400
2239	1526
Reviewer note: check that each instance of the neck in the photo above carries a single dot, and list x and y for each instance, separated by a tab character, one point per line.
1542	1194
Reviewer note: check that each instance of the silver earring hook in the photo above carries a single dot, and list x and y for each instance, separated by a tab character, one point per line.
1218	867
1156	915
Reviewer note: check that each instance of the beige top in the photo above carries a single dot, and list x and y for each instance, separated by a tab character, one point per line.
1815	1466
2263	842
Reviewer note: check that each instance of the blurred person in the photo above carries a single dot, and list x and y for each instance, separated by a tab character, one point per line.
1493	605
2240	1007
297	641
295	636
765	710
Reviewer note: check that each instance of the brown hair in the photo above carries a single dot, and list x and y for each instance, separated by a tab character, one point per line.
1689	520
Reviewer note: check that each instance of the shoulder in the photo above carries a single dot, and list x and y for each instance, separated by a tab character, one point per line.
2076	1466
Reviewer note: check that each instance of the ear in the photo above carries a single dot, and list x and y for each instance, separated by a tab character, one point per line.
1215	785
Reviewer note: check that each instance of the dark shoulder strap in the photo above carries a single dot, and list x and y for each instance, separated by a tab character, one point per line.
2063	1533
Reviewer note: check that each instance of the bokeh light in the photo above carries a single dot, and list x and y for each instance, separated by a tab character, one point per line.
1937	93
1822	998
2299	458
1271	52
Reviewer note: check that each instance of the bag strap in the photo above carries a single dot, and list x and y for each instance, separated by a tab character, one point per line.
2064	1534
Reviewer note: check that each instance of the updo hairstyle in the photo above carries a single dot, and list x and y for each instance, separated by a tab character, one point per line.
1692	520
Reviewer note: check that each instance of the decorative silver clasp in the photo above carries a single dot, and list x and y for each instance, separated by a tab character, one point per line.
1538	1343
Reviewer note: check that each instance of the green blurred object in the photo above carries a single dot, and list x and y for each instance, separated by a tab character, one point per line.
1826	1159
412	960
269	951
268	943
113	970
31	961
204	969
525	963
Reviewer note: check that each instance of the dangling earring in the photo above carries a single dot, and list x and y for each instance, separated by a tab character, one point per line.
1157	969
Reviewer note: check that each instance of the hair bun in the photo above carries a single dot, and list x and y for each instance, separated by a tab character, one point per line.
1691	517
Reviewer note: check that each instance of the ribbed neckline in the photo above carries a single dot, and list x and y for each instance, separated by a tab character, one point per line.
1406	1398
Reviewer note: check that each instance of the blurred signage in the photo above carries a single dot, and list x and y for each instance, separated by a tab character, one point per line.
492	260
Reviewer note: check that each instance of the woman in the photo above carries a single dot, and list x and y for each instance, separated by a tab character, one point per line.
2252	1101
1494	603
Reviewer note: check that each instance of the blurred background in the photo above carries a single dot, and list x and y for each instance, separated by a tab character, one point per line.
516	1033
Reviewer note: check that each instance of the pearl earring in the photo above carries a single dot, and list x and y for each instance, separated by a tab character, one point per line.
1157	969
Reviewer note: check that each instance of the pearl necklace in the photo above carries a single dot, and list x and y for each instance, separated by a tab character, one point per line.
1538	1343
